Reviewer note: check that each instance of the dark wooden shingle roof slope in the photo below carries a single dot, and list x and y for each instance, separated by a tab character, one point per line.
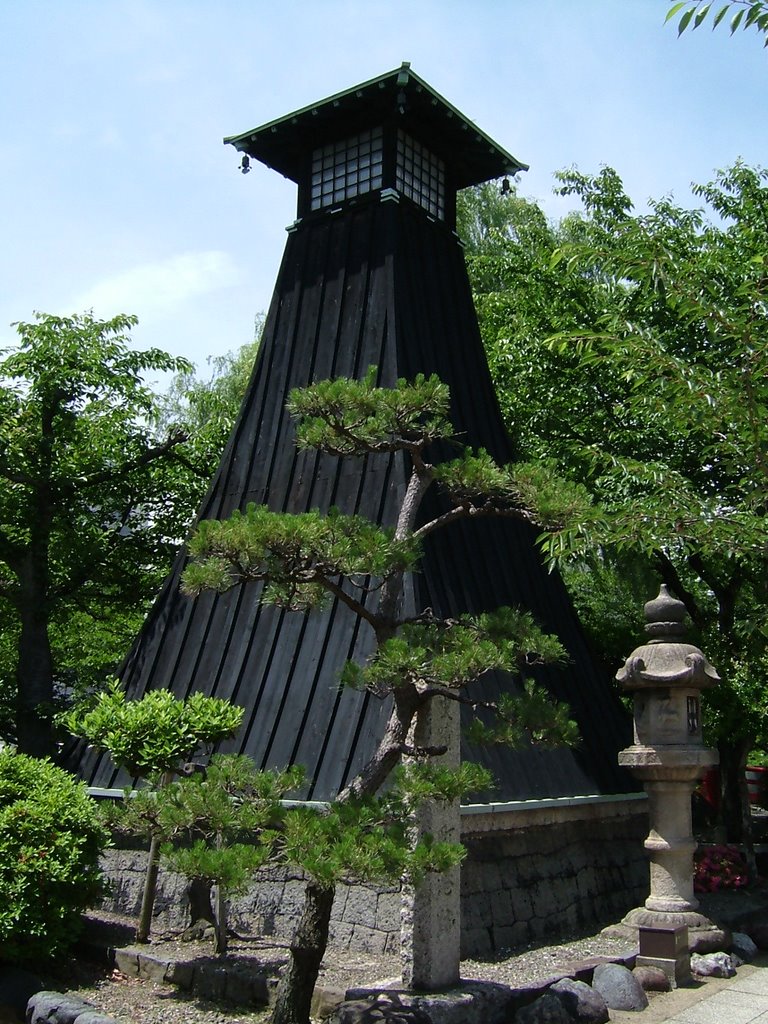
372	278
377	284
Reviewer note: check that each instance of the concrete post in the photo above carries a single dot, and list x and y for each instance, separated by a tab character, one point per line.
430	925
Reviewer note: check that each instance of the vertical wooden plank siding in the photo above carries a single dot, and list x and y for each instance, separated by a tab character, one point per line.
380	284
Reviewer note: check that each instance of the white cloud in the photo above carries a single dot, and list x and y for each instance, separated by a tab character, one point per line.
161	287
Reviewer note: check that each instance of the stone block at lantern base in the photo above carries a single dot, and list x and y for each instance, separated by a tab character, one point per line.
666	948
704	936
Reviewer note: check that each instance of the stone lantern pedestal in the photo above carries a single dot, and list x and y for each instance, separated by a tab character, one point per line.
667	676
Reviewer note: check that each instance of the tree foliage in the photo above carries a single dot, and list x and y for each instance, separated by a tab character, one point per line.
206	409
155	734
50	841
88	518
746	14
651	388
229	815
151	738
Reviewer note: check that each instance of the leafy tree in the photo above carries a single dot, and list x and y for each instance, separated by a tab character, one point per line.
303	559
690	341
524	294
748	14
88	519
660	409
152	738
206	409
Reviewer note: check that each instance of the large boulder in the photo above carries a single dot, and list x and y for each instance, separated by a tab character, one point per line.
547	1009
94	1017
653	979
744	947
581	1001
379	1010
56	1008
619	987
473	1002
758	932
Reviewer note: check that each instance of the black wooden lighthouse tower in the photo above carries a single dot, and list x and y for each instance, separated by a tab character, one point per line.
373	274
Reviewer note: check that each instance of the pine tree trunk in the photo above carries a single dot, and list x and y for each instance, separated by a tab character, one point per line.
310	938
294	994
221	934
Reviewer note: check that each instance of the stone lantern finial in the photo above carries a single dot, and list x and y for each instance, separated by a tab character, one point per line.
665	616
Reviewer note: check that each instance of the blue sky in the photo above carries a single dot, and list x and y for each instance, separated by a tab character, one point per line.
117	193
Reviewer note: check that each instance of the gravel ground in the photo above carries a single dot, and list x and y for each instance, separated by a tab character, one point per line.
134	1001
131	1001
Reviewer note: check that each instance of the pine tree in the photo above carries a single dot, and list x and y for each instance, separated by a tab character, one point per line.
302	559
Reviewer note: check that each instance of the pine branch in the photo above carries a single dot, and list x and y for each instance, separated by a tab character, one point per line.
357	607
300	558
457	696
346	417
488	510
372	776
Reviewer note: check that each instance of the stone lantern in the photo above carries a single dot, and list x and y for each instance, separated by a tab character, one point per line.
667	676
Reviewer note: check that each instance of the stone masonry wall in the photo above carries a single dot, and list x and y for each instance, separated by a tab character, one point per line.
529	874
365	917
557	871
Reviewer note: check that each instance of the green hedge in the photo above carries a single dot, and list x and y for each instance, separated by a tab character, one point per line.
50	841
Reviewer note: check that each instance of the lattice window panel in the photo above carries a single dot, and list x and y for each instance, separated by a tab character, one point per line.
343	170
420	175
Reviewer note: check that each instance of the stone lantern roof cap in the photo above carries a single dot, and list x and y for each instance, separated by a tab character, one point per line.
666	660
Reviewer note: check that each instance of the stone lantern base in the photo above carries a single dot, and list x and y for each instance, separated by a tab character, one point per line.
704	936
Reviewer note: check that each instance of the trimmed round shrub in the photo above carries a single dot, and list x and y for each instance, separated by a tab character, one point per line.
50	840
